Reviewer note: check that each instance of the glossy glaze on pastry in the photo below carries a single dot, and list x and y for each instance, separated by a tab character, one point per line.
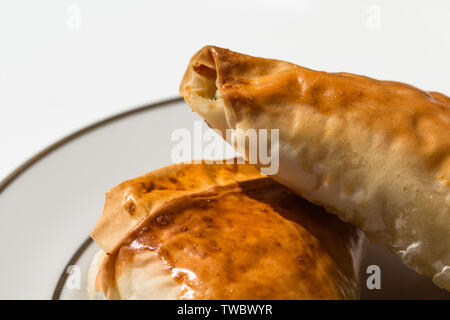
375	153
248	239
127	203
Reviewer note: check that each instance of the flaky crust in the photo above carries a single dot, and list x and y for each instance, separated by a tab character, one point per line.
376	153
249	239
129	202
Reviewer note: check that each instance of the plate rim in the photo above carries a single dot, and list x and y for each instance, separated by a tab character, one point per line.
11	177
72	261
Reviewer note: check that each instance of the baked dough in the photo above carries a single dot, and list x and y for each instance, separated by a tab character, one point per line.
249	238
127	203
375	153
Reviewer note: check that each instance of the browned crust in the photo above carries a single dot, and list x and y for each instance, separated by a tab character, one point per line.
249	84
132	200
329	247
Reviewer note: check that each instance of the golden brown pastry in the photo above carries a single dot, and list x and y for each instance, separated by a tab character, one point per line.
132	200
249	238
375	153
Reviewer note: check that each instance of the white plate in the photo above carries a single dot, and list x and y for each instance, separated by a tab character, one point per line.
49	206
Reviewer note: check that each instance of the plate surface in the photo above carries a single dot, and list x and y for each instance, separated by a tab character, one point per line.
49	209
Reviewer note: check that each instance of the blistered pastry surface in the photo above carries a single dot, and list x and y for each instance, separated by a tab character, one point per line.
132	200
376	153
251	240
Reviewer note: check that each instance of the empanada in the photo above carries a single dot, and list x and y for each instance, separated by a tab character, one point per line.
129	202
375	153
248	238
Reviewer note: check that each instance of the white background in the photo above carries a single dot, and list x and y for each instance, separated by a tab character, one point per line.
65	64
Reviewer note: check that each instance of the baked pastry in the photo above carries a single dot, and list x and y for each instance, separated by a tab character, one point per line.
221	232
129	202
375	153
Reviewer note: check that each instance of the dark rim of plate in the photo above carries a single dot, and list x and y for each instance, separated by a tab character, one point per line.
40	155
